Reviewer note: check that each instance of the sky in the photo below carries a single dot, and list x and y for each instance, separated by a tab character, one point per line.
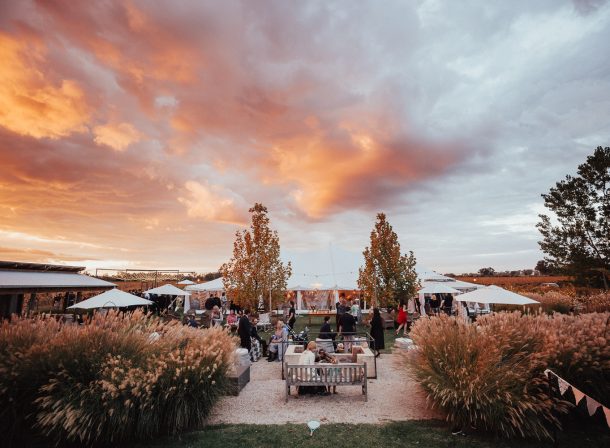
137	134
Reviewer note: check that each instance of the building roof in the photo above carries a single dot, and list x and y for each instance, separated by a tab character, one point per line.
40	280
20	266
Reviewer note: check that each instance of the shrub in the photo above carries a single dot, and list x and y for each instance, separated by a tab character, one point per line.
106	382
594	303
491	375
553	301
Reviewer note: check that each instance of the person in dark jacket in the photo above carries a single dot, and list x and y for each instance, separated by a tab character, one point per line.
292	315
244	330
255	335
325	330
212	302
348	330
377	332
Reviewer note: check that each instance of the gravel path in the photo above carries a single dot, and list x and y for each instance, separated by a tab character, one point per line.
392	396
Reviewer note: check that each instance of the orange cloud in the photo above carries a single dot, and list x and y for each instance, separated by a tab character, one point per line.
261	116
213	203
30	104
117	136
37	255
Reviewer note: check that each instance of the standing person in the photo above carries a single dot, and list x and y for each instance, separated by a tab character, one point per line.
244	330
355	310
435	304
402	318
377	332
292	315
341	309
422	305
347	329
215	317
410	313
447	304
337	316
223	303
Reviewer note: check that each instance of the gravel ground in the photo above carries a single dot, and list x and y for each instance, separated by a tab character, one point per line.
391	397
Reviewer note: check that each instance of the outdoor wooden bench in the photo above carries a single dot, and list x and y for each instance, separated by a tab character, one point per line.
341	374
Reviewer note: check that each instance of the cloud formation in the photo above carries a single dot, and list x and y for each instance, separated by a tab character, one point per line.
117	136
31	102
126	123
213	203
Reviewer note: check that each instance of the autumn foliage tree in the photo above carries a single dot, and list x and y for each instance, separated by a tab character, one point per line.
255	271
579	242
387	275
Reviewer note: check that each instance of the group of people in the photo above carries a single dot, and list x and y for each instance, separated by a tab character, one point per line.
249	337
346	328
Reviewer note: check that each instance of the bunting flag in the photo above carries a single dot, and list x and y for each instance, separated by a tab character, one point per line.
592	405
578	395
563	385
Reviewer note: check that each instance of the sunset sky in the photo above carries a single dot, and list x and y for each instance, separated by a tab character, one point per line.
138	133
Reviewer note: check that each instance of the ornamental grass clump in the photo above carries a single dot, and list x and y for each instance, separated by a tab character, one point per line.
490	375
109	381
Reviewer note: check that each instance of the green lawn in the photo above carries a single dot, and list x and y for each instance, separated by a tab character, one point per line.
316	323
429	434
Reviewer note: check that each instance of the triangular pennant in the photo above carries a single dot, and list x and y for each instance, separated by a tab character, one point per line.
563	385
578	395
592	405
607	414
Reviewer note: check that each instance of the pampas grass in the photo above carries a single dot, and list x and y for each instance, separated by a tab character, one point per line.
107	381
491	375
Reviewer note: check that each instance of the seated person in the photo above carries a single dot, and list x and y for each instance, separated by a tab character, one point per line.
192	322
325	358
325	330
308	357
309	354
215	316
257	340
232	319
276	343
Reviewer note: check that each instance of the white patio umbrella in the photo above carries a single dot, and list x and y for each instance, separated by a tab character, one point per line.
213	285
113	298
495	294
186	282
438	288
168	289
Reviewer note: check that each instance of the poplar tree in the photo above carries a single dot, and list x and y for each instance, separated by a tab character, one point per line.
387	276
255	271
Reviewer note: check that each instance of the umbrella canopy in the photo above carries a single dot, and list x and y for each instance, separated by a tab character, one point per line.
168	289
495	294
214	285
438	288
114	298
186	282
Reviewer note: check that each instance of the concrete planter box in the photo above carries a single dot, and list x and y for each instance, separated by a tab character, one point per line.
238	378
